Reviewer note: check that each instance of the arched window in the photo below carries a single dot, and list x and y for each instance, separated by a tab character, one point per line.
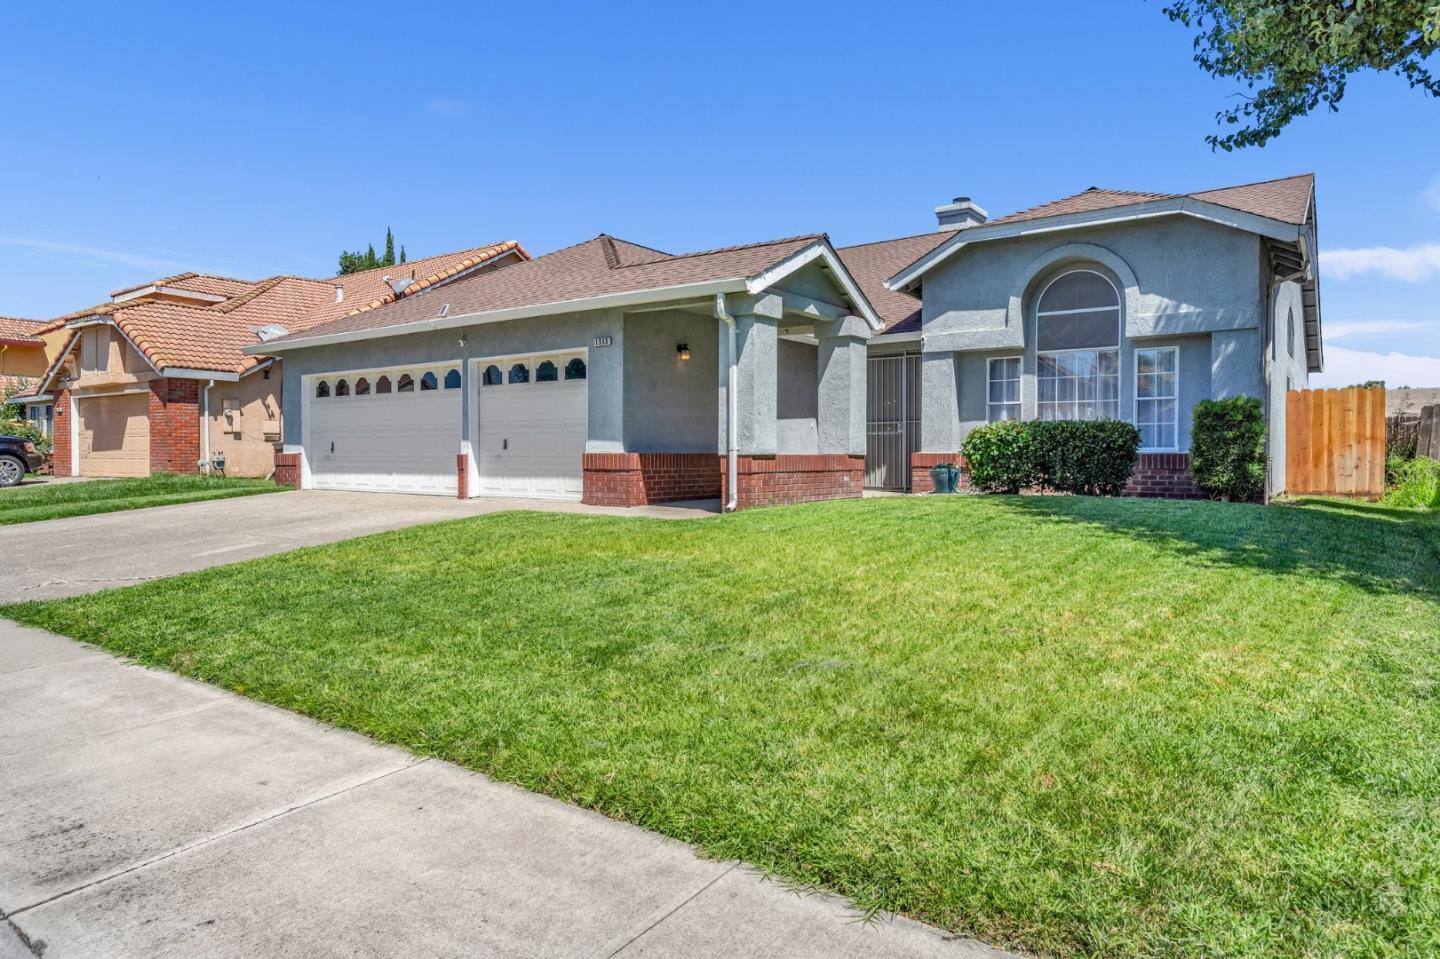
342	388
382	385
452	380
575	369
519	373
322	390
1077	341
362	387
429	382
493	376
405	384
546	372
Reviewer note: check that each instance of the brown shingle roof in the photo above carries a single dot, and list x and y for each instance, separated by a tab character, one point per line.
873	263
15	331
1286	199
593	268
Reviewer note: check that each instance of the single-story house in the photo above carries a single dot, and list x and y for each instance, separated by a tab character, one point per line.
606	371
156	379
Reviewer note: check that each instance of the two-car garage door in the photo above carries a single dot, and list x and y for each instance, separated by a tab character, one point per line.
400	429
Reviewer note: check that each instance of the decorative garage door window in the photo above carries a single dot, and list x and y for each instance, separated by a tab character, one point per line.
389	384
537	369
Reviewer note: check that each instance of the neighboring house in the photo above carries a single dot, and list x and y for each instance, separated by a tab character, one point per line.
26	349
1112	303
155	380
606	371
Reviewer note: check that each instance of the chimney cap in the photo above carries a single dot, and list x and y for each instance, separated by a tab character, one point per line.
960	213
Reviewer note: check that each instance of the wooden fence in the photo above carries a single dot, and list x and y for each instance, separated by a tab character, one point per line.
1335	442
1427	440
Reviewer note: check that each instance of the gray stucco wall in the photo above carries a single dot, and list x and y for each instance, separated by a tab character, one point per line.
797	400
1286	369
669	402
1182	282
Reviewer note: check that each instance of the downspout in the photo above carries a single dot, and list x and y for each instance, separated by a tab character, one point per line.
732	405
205	427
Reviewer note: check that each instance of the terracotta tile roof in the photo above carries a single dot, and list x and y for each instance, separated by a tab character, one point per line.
18	332
593	268
1286	199
873	263
195	283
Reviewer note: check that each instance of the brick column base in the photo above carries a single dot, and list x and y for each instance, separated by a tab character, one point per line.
60	463
920	464
174	426
796	478
287	469
462	476
638	479
1164	475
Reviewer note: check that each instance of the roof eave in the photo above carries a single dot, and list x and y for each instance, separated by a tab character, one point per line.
820	250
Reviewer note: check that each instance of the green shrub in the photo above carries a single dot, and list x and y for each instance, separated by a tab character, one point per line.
1227	448
28	430
1416	485
1089	458
1093	458
1000	457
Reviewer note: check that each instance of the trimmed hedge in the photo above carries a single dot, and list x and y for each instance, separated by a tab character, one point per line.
1089	458
1227	448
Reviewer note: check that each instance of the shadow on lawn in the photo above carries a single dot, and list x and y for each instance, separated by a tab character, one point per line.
1378	549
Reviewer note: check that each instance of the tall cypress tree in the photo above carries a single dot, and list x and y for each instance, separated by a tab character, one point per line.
389	249
371	260
402	253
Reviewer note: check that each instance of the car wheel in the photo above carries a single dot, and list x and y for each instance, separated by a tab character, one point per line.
12	471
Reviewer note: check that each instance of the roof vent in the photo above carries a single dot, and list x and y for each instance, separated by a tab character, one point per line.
271	331
339	292
960	213
399	285
444	310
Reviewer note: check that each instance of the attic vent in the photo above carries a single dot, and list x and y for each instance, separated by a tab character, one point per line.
271	331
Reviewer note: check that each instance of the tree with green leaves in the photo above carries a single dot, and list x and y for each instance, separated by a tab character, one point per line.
1293	55
389	258
357	261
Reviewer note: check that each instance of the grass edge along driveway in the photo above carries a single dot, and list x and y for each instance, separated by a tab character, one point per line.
1072	726
32	503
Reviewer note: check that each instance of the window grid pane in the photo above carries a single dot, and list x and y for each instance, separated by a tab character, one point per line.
1078	385
1004	402
1156	398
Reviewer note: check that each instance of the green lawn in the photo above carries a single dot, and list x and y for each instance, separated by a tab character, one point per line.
1070	725
30	503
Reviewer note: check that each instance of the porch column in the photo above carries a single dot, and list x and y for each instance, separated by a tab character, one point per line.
606	386
939	403
757	339
841	383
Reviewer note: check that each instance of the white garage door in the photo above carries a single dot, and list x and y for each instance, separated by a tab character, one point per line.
532	418
396	430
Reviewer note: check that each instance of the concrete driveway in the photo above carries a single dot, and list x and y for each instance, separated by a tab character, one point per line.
68	557
145	815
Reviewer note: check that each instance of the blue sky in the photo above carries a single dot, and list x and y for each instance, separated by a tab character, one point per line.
254	139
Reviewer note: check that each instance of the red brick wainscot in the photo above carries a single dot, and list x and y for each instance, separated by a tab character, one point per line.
287	469
638	479
920	464
174	426
60	463
1164	475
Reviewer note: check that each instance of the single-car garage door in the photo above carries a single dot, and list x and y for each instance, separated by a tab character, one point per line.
115	435
533	415
394	429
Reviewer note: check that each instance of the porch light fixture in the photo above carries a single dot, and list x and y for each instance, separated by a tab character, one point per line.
684	350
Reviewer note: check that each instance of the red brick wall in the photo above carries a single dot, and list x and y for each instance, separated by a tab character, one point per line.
174	425
287	469
796	478
634	479
462	475
60	435
1165	475
920	464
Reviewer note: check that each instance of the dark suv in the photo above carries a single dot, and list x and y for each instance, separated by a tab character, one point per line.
17	457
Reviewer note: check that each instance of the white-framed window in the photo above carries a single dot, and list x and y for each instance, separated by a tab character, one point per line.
1157	397
1077	343
1004	385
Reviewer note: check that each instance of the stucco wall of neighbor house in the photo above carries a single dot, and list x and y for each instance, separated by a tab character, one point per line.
1286	369
1182	282
669	402
246	449
797	404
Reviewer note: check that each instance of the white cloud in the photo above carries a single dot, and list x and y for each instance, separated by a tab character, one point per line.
1347	367
1333	331
1413	264
86	252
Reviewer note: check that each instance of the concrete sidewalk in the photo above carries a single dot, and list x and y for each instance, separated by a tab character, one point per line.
146	815
83	554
